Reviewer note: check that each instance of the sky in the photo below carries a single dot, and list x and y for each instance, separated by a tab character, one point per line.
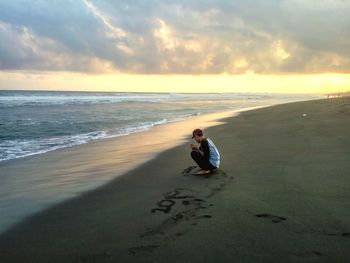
176	46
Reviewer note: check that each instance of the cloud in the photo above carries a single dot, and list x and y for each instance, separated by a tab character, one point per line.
176	37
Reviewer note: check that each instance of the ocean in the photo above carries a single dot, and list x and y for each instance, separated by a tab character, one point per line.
41	122
36	122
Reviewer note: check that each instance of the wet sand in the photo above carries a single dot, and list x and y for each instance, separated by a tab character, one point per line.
281	195
29	185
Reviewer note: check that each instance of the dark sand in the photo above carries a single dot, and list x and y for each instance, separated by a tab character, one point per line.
281	195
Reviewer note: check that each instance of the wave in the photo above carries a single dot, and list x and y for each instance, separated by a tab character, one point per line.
13	149
12	101
42	98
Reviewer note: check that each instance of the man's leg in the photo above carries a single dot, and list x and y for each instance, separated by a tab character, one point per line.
201	161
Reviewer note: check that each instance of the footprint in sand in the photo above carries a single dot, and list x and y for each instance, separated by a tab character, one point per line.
317	253
204	216
97	257
216	189
274	219
150	248
345	234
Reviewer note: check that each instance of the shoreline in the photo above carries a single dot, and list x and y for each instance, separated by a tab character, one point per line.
149	128
26	147
69	172
116	137
273	199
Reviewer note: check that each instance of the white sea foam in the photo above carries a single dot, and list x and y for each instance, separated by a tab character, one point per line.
76	100
12	149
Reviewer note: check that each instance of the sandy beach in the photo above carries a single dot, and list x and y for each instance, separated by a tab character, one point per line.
281	195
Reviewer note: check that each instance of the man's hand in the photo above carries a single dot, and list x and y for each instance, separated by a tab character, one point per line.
194	147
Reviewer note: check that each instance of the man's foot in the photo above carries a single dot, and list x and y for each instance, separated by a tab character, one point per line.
196	170
200	172
190	170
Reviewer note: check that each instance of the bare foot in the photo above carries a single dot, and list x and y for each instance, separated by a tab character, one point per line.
196	170
203	172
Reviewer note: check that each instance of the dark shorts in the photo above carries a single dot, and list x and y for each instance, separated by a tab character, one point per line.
202	161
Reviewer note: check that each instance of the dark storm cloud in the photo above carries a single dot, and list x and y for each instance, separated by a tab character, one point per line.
184	37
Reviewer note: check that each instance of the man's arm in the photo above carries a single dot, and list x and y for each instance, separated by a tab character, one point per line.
204	149
195	148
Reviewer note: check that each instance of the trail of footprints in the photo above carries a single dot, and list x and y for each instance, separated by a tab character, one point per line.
273	218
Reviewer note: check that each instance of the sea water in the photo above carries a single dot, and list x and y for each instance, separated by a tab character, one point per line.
35	122
34	125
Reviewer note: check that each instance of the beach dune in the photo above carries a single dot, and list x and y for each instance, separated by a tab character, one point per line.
281	195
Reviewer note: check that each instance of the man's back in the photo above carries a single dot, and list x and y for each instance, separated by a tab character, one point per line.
213	152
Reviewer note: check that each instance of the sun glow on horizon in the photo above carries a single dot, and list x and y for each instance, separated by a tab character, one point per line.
249	82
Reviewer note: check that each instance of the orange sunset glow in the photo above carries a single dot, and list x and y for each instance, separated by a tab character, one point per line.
183	46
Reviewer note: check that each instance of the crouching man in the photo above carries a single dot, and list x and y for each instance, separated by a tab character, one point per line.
205	154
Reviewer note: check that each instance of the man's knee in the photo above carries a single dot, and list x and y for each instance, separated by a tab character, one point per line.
194	154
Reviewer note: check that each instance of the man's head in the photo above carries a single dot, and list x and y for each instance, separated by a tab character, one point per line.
197	134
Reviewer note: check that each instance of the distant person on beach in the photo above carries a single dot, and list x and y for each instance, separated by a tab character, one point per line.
206	155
